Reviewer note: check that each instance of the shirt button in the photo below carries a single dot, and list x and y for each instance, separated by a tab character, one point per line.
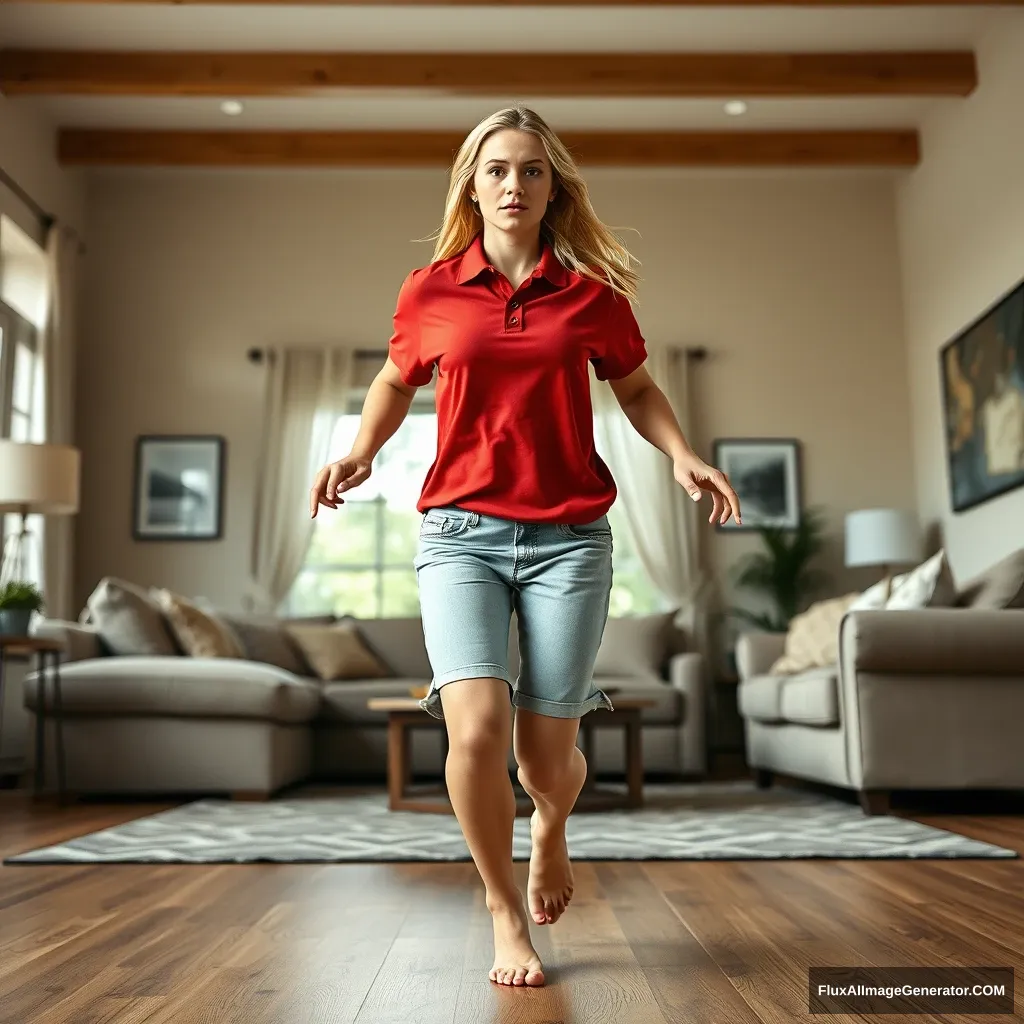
513	321
514	304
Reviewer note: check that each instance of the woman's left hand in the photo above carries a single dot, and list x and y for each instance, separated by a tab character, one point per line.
696	475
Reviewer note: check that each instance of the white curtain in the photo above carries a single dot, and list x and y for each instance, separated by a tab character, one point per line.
662	520
306	393
57	340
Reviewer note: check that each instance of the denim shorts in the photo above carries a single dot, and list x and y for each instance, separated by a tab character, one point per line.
473	570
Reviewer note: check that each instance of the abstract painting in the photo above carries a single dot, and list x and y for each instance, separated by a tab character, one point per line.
983	404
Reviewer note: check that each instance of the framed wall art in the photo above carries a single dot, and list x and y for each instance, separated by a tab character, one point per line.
765	474
179	487
982	372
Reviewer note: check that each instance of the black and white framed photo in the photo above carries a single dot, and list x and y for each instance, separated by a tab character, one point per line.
765	474
179	487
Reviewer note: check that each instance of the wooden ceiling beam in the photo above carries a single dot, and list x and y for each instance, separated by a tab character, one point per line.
81	147
131	73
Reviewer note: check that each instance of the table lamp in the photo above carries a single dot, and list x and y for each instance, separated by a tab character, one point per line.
884	537
34	478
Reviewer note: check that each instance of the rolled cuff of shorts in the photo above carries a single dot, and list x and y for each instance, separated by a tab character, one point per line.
432	702
558	709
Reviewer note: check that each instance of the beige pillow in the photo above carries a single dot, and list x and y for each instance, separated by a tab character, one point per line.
127	619
813	637
337	652
200	634
930	585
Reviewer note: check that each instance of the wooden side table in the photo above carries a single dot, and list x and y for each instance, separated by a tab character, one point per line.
47	658
405	714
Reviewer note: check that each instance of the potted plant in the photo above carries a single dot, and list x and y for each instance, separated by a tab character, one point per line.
18	600
783	572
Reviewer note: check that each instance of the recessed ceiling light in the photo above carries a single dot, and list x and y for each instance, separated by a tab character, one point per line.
231	107
735	107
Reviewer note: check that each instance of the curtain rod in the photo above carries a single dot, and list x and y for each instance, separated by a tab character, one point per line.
257	355
47	218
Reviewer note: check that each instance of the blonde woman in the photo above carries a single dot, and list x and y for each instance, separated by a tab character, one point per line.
525	290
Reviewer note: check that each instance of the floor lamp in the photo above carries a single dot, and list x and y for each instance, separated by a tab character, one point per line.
34	478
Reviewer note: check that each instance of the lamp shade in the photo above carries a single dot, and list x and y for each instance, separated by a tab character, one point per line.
882	536
42	478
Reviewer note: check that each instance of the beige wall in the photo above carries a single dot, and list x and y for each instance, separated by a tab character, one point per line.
791	281
961	227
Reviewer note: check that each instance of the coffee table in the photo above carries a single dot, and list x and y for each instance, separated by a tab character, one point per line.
405	714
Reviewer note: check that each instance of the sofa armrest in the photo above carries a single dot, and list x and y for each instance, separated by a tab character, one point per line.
756	652
80	642
688	673
934	641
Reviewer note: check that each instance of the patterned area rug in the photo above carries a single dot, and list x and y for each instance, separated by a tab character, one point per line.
713	821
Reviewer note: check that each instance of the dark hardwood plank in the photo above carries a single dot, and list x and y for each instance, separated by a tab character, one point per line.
642	943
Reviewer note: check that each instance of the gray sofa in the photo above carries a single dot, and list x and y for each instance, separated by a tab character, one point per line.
919	699
153	723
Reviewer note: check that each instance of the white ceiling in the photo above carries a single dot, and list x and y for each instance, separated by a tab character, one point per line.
498	28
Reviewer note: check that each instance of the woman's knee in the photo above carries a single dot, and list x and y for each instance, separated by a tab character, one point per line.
478	717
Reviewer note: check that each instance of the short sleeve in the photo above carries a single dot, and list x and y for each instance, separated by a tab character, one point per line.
624	348
404	346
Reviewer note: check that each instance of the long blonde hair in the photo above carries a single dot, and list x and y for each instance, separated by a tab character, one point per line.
579	240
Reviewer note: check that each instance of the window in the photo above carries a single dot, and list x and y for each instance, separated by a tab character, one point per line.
360	559
22	306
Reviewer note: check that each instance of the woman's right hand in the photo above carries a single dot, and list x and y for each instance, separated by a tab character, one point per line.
334	478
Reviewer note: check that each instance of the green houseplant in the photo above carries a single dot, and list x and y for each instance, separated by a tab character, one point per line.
783	572
18	600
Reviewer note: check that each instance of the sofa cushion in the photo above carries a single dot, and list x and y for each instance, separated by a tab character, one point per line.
346	701
760	698
1001	586
811	698
638	645
198	633
128	620
182	687
337	651
669	703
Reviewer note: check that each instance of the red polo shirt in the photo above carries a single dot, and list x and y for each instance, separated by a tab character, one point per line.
515	426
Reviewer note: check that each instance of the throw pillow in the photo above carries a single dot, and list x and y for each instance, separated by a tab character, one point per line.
200	634
266	640
637	645
337	652
1001	586
127	620
930	585
812	640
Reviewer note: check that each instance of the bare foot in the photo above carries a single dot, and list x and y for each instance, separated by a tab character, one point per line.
515	960
550	886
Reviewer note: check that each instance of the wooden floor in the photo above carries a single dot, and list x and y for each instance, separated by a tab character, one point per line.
645	943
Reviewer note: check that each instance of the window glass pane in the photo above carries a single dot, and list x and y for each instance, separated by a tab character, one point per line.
19	426
346	535
632	591
401	594
24	362
337	593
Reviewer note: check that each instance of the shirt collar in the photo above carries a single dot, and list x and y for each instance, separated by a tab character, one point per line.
474	262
